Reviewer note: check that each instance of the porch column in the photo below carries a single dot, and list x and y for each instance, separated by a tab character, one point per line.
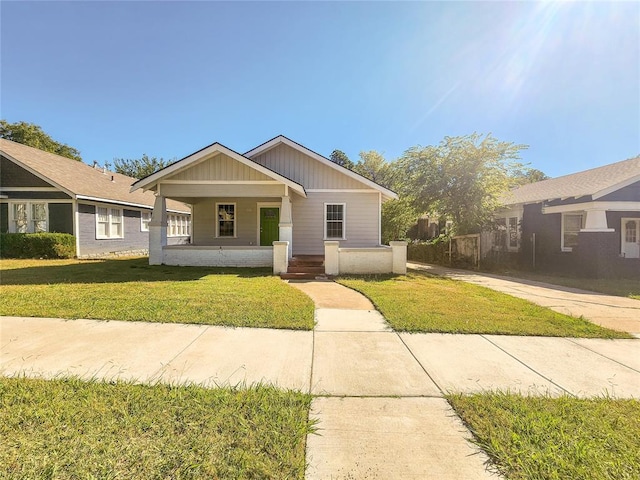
158	231
286	223
399	256
596	221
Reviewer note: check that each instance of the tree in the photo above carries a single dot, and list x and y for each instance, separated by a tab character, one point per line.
529	175
461	179
33	136
398	216
340	158
139	167
373	166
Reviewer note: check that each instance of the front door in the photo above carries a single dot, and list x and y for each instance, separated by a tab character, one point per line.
269	230
631	237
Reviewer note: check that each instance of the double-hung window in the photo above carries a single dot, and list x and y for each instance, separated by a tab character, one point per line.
29	217
226	226
145	219
572	223
334	221
109	223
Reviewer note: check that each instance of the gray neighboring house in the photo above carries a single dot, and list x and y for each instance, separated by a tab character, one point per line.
274	202
587	222
44	192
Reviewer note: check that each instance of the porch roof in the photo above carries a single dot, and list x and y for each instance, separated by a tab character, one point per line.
150	182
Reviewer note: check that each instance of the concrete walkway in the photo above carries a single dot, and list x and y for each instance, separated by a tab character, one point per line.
379	394
617	313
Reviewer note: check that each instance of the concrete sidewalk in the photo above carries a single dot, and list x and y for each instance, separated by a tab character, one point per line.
379	394
617	313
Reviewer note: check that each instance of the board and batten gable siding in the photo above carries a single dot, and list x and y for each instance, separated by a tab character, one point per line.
12	175
204	219
305	170
630	193
219	168
133	239
361	226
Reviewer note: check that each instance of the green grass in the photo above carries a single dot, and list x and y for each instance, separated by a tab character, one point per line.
68	429
131	289
423	303
620	287
542	438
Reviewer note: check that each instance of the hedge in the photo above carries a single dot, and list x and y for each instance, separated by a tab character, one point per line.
37	245
432	252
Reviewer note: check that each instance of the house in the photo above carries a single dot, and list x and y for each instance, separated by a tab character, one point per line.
587	222
44	192
274	202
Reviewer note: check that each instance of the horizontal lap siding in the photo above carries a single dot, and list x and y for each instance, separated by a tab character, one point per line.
362	221
305	170
133	239
204	221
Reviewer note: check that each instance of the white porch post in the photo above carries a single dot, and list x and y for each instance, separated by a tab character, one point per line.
596	221
399	253
158	231
286	223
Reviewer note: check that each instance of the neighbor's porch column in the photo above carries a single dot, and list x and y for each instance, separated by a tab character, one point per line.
158	231
286	223
596	221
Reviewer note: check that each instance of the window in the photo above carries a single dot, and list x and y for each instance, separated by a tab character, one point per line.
500	234
109	223
177	226
226	219
29	217
334	220
630	232
513	233
571	225
145	219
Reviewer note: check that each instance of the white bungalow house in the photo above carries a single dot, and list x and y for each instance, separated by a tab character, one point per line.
276	201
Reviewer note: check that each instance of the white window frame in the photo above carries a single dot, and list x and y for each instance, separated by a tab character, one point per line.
178	225
110	222
562	229
235	220
344	221
30	220
144	222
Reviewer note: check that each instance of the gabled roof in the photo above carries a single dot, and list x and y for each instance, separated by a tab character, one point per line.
281	139
79	180
182	164
596	182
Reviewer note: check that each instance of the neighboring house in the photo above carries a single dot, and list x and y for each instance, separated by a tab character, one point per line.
44	192
587	222
261	208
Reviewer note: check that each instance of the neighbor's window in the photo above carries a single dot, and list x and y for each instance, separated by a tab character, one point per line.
145	219
334	220
571	225
109	223
177	226
29	217
226	219
513	232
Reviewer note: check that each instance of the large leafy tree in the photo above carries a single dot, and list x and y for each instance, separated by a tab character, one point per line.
33	136
462	178
340	158
139	167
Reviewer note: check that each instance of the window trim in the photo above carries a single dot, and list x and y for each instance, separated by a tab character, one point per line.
562	228
110	223
143	222
344	221
235	220
29	210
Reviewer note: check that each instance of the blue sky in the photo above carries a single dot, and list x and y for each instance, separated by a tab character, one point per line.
119	79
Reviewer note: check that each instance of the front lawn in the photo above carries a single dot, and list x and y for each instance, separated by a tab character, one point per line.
131	289
540	438
68	429
423	303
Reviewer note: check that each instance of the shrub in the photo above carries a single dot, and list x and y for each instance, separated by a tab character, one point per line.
435	251
37	245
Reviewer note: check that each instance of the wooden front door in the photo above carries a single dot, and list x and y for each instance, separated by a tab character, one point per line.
631	237
269	230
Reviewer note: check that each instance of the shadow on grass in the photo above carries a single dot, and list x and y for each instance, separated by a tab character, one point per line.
117	271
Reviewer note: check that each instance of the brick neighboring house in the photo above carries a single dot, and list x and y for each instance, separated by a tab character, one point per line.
587	222
44	192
